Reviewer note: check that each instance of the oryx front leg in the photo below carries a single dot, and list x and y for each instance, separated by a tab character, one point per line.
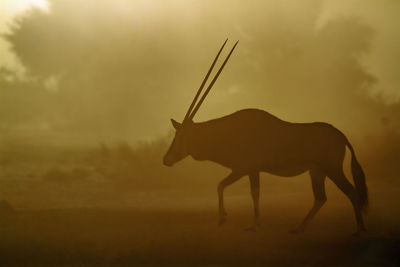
233	177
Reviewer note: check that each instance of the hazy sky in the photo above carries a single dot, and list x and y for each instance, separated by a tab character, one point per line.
76	73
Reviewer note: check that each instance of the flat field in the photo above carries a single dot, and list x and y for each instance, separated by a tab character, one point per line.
184	236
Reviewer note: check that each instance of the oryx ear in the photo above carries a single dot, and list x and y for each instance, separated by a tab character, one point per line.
176	124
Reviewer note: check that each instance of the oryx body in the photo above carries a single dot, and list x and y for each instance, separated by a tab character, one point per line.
251	141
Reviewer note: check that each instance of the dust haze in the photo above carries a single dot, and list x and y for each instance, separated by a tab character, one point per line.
87	90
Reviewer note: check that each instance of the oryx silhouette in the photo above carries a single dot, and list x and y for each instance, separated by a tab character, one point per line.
251	141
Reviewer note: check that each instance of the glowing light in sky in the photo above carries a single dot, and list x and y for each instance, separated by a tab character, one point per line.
9	9
42	4
22	5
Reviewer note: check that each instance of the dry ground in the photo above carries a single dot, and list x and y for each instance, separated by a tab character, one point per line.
190	236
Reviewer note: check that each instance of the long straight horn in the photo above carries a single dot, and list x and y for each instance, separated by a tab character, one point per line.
204	82
212	83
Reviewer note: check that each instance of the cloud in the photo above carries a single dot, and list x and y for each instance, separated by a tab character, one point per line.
123	69
52	83
385	50
12	9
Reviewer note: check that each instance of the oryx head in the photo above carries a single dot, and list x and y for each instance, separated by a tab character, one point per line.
179	146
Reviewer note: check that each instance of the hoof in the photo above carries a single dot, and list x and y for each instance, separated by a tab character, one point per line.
358	234
222	221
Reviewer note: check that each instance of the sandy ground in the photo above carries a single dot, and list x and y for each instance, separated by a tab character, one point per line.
134	236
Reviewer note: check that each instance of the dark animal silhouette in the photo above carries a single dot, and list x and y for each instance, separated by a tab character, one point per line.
251	141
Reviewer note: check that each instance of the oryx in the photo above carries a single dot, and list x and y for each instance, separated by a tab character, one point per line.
251	141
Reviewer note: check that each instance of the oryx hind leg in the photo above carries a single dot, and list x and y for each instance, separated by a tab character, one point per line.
318	186
350	191
255	194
